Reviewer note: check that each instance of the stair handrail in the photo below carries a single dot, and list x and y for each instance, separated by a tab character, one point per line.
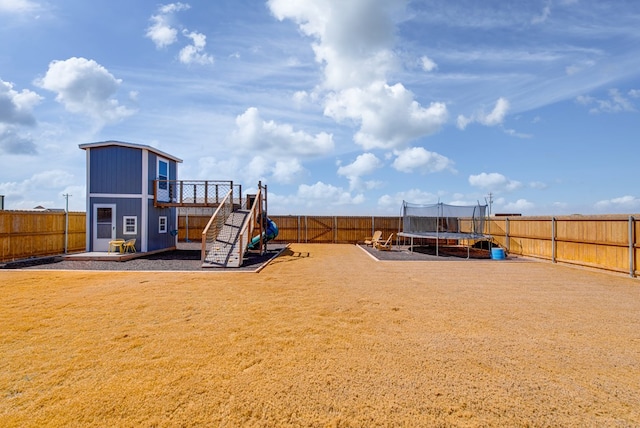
216	222
246	231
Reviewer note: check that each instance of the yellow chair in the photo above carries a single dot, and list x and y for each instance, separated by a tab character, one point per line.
116	245
373	240
385	246
129	246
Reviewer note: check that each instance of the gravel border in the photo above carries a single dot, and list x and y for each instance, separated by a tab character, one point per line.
427	253
175	260
188	259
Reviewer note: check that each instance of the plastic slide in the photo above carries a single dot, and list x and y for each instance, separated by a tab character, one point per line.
270	233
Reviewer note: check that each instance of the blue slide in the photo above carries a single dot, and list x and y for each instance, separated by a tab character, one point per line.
270	233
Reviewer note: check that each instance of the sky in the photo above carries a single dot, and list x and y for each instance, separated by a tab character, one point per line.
339	107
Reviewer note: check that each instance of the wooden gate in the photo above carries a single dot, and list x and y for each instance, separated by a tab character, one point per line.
320	229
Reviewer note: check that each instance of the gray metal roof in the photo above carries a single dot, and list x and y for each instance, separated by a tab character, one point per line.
131	145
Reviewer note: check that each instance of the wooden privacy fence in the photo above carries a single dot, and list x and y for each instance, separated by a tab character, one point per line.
604	242
333	229
25	234
311	229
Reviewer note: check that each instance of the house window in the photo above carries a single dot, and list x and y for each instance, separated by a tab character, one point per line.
163	174
130	225
162	224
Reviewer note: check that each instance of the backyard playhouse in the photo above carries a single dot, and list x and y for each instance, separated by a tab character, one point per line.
133	194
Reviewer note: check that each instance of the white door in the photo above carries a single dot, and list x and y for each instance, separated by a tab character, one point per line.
104	226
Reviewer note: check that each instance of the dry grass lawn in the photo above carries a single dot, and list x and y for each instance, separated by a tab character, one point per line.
323	336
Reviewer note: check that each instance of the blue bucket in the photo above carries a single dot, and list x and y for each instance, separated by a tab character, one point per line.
497	253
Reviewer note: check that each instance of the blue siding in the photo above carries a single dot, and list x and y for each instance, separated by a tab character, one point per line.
156	240
153	166
124	207
153	159
115	170
173	170
128	207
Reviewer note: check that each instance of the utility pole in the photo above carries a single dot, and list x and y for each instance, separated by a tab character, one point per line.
66	223
490	202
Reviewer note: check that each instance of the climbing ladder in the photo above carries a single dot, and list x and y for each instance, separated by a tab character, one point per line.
225	250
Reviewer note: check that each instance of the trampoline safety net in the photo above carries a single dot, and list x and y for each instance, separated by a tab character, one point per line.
443	219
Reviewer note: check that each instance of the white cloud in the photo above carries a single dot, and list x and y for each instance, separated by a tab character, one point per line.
256	169
48	180
84	86
627	202
520	206
538	185
579	67
494	182
584	100
616	103
389	116
544	15
12	143
321	194
634	93
493	118
268	137
194	53
415	196
287	171
15	107
173	7
353	39
16	111
516	134
419	159
319	198
161	31
261	168
496	117
365	164
18	6
428	64
229	168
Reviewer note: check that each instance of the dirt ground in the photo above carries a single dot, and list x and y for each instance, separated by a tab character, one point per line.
323	336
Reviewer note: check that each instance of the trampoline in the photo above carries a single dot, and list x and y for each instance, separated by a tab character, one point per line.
443	222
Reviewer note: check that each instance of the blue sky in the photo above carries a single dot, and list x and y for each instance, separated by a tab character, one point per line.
340	107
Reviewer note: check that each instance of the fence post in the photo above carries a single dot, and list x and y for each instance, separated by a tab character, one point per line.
632	267
66	224
373	225
553	239
507	241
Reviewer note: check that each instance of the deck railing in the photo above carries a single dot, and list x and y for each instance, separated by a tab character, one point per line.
194	193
